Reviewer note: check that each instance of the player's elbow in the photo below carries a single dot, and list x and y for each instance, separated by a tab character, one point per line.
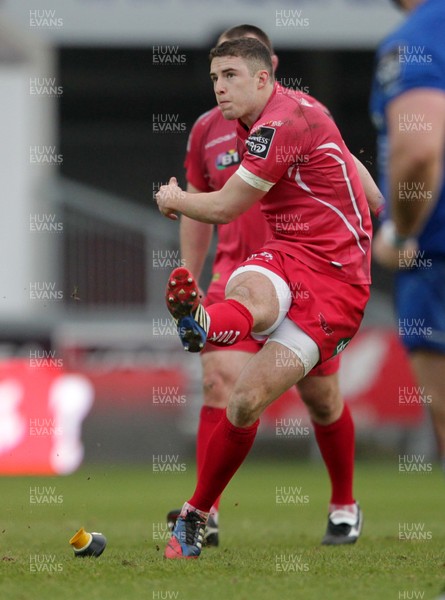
226	214
416	158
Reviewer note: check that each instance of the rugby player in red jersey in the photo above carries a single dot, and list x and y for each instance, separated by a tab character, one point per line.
269	270
212	157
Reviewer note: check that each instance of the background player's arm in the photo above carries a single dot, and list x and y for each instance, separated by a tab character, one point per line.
373	195
416	156
195	239
415	164
222	206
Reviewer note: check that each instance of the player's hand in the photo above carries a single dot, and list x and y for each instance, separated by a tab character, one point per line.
167	198
392	256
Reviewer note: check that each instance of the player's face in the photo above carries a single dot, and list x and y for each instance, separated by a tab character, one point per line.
235	88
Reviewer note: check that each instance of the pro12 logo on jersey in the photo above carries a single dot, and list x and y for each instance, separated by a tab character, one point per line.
258	143
227	159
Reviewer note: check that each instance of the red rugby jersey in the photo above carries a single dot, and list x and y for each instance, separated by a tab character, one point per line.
315	203
212	158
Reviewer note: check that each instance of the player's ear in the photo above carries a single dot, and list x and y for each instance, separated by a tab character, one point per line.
274	58
263	78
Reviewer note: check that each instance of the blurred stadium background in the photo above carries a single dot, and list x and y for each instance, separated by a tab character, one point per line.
98	98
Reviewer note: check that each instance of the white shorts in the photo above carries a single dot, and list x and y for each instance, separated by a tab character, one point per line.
284	331
288	334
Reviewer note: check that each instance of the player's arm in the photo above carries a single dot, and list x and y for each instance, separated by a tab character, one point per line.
222	206
415	163
373	195
195	239
416	156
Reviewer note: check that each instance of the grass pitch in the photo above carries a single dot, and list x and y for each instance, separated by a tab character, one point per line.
273	516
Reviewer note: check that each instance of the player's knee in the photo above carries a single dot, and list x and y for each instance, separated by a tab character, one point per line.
244	408
324	402
323	412
216	389
257	293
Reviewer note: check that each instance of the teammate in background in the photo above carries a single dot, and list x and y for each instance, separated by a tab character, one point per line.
408	109
212	157
329	261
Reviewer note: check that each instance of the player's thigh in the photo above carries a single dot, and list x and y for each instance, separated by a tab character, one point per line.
220	370
261	382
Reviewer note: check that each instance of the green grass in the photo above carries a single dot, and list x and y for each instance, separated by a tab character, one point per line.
125	502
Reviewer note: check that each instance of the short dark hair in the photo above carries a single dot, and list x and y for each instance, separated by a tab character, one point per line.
252	50
244	30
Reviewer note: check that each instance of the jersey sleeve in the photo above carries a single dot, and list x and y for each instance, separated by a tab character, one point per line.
271	151
405	65
194	162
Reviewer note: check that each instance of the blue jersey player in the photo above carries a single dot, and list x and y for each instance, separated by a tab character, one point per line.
408	109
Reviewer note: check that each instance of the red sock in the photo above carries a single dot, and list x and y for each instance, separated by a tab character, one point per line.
226	450
208	420
230	321
337	444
